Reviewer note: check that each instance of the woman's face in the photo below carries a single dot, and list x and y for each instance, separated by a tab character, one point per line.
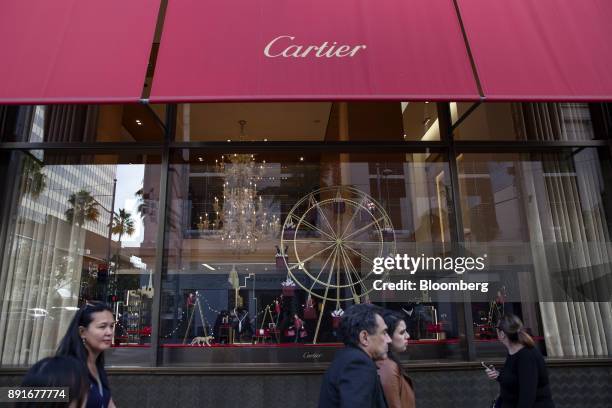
399	339
98	335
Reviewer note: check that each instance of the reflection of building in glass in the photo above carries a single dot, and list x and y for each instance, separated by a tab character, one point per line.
64	180
54	259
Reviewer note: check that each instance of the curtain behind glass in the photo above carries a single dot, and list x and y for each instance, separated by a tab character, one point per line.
564	205
51	123
553	121
70	123
41	268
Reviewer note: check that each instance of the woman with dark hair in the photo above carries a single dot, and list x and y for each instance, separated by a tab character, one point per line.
90	333
524	378
397	386
59	371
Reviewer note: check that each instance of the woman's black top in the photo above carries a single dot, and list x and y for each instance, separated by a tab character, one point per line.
99	395
524	381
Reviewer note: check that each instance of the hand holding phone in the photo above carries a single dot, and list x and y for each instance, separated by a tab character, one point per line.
486	367
492	373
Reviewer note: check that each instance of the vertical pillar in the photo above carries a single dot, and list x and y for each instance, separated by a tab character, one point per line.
465	312
156	357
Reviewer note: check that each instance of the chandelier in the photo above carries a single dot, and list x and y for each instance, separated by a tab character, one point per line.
243	215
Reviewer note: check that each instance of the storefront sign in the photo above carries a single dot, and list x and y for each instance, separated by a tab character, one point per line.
302	51
295	50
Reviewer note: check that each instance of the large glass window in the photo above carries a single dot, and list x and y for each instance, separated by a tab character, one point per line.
82	123
558	121
80	227
265	251
308	121
544	221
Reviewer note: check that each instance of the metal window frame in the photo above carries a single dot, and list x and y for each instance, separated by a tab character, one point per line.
447	145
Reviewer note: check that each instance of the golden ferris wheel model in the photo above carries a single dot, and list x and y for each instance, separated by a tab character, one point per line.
334	234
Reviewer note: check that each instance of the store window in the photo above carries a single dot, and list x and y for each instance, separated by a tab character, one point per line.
556	121
82	123
79	227
544	221
264	251
308	121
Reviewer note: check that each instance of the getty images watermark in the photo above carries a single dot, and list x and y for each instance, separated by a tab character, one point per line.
413	264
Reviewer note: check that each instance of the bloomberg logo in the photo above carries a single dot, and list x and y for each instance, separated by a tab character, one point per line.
283	46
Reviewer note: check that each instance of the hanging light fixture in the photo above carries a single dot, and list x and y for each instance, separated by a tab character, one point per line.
243	219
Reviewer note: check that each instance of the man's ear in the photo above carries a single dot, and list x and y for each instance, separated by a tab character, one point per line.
363	338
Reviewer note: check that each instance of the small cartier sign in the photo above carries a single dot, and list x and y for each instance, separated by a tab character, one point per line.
311	356
286	47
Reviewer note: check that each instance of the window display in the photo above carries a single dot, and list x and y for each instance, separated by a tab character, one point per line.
268	250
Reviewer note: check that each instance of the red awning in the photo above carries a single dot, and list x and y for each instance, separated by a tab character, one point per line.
66	51
541	49
312	50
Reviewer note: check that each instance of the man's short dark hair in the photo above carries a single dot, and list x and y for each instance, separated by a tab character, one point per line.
356	319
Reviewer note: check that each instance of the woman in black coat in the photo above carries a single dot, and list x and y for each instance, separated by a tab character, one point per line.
524	378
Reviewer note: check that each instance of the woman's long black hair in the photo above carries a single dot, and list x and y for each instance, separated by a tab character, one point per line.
392	319
72	343
58	371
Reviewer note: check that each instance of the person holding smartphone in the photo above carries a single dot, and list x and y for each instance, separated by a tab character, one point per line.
524	378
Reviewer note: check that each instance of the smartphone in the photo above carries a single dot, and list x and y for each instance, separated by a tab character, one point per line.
486	367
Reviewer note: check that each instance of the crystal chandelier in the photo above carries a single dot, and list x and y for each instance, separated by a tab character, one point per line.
243	217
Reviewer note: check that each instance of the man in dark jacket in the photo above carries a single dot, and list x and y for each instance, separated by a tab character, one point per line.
352	379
